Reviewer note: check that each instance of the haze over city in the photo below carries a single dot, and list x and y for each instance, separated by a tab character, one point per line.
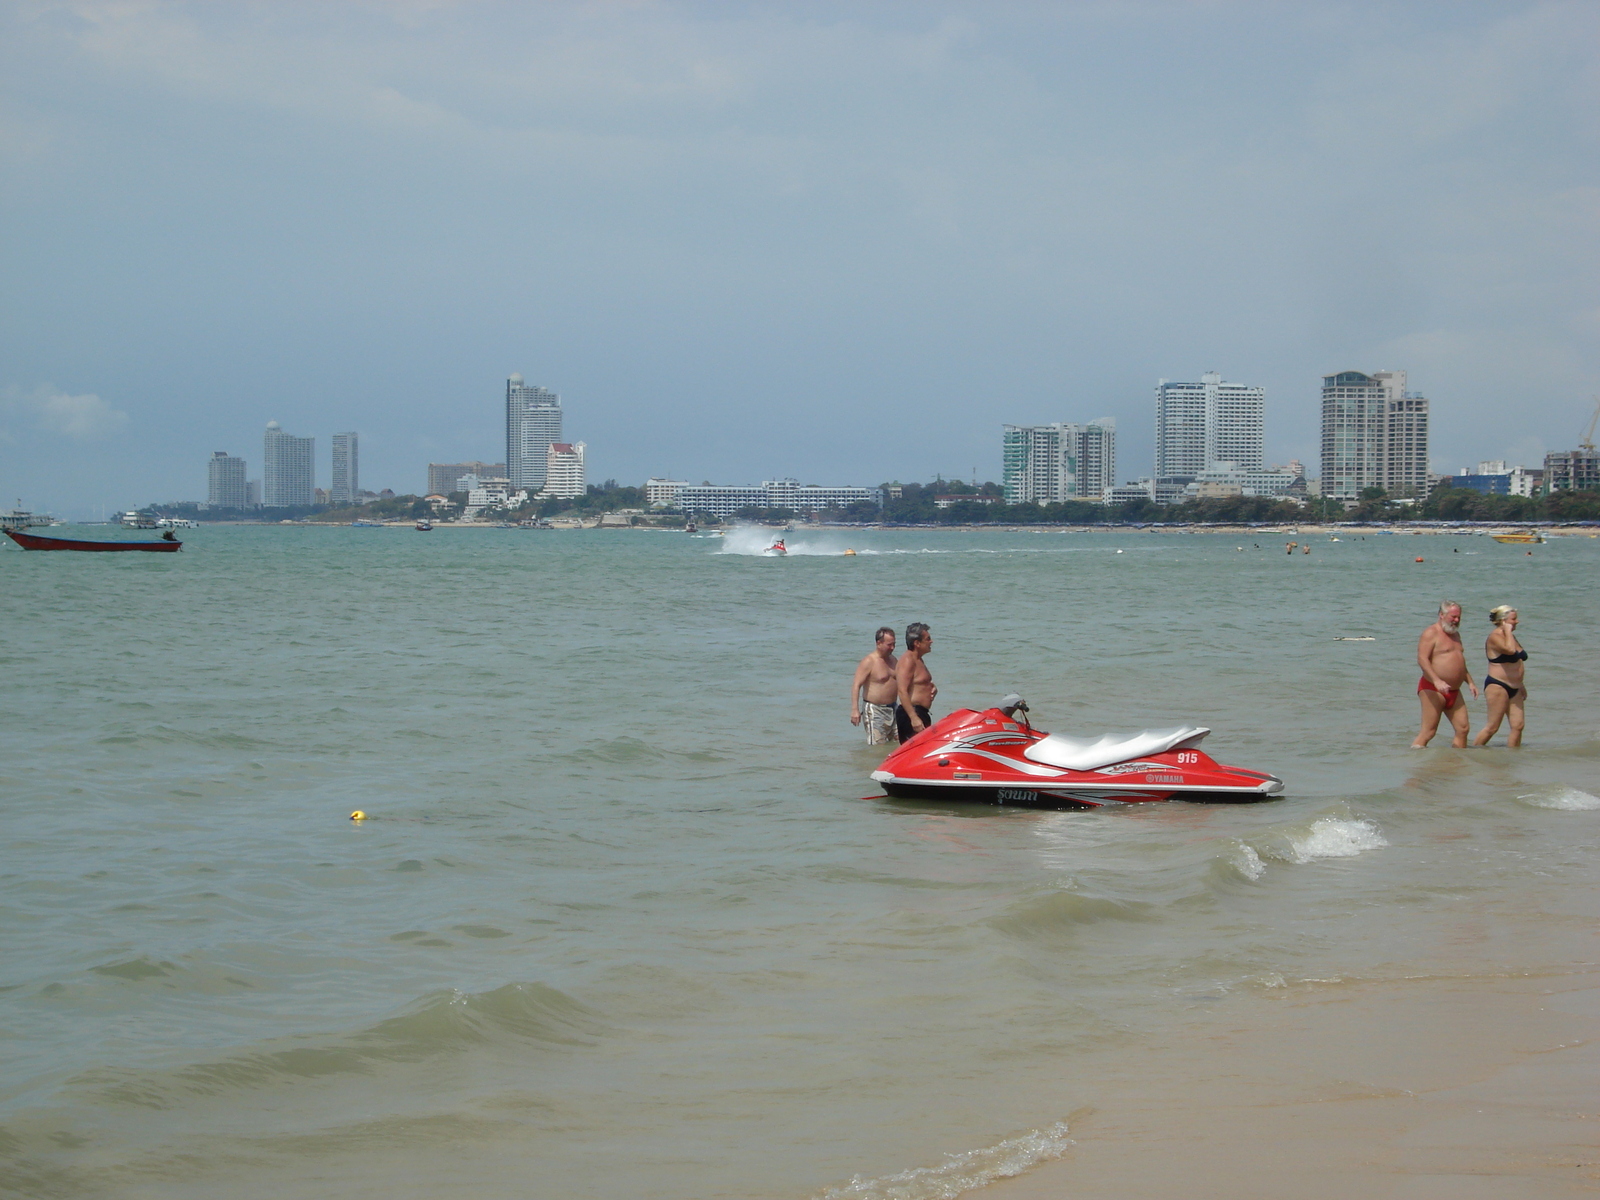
838	242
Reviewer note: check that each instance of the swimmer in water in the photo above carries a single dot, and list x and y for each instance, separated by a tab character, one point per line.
1505	687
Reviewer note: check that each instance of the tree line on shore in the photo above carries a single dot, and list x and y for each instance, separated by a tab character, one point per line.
981	504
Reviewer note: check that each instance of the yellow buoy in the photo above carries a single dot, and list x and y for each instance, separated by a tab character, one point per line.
358	815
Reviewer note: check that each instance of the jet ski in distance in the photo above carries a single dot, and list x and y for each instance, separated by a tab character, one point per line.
996	757
777	549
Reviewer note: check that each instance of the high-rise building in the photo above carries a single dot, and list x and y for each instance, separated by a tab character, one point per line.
225	482
1201	424
1374	434
533	421
288	478
1047	464
346	471
564	470
442	477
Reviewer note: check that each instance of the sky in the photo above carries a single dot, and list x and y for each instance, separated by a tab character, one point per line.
839	242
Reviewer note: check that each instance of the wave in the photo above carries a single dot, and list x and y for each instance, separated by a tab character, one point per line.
1058	914
960	1172
1567	799
1327	837
1247	862
442	1024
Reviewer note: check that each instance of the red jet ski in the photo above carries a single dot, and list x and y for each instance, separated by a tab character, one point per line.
995	757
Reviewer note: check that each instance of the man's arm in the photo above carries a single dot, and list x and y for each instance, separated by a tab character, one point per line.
862	669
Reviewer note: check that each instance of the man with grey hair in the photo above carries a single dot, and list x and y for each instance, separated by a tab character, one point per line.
914	684
1444	670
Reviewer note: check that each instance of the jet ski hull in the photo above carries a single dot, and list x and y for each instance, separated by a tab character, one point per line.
988	758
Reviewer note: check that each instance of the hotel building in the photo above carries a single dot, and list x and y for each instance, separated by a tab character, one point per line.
1199	424
563	476
723	500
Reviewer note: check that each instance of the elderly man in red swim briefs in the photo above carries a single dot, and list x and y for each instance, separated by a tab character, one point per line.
1444	670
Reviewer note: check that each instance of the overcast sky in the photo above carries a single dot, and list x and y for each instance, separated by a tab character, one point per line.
843	242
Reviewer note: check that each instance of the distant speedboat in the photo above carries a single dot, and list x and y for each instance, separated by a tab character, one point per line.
366	524
35	541
424	526
1525	536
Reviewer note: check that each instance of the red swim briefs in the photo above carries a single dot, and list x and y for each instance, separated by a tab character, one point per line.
1450	697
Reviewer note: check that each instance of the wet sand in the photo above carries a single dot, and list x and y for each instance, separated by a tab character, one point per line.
1428	1089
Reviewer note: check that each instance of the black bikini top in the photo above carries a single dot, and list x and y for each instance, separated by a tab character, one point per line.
1519	656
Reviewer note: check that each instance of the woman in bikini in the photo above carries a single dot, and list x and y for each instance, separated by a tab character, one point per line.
1505	688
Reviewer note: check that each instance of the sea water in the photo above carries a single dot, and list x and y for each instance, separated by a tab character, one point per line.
627	916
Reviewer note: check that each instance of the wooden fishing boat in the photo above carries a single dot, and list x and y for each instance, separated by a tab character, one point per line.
1519	538
34	541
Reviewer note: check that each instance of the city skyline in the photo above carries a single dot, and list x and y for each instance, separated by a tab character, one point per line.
746	235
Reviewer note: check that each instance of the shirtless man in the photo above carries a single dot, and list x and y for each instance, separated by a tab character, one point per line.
914	685
1444	670
875	672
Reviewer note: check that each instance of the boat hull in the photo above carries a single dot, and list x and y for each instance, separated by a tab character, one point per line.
33	541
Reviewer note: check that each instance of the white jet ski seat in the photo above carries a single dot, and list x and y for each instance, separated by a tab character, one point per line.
1090	754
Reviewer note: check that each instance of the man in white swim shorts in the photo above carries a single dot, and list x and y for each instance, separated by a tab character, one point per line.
875	675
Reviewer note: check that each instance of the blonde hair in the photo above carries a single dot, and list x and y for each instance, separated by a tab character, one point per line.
1497	614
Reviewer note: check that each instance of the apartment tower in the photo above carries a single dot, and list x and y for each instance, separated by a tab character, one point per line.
1048	464
288	477
533	422
1374	434
225	482
346	471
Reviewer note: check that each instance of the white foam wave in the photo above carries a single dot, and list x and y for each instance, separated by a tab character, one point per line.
1333	837
1569	799
1247	862
960	1172
754	540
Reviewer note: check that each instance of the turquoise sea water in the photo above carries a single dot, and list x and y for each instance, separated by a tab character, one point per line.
628	918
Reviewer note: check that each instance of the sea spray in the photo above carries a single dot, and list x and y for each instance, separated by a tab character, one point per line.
1567	799
960	1172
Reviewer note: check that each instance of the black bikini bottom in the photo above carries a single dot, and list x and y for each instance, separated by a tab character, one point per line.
1488	679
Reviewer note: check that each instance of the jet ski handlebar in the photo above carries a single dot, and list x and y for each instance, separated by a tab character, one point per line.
1012	704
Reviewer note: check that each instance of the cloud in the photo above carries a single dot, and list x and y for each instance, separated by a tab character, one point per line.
85	417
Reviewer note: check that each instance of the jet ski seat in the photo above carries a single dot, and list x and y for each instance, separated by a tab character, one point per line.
1090	754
